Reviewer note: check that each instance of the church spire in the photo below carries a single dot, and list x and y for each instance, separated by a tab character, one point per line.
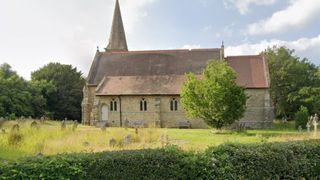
117	39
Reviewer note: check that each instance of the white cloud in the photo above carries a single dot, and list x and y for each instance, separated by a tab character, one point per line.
243	6
304	47
299	14
133	12
61	31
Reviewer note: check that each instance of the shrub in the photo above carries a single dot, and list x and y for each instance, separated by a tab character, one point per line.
290	160
301	117
12	116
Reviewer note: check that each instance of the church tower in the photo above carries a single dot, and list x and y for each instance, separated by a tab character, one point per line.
117	39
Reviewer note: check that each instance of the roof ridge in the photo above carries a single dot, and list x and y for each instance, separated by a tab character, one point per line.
161	50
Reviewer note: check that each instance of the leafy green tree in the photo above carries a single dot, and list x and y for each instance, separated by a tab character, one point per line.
40	92
6	71
294	82
214	97
15	97
66	100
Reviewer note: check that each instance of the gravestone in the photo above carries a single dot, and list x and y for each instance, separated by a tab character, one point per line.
308	128
63	125
316	118
127	140
300	129
34	125
16	128
126	123
75	125
3	131
42	119
112	142
137	131
86	144
315	124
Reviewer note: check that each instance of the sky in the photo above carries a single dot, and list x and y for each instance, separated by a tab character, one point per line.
34	33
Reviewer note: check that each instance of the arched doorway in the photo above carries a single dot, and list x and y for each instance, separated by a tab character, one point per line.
104	113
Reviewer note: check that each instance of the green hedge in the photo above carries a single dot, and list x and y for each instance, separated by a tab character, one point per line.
290	160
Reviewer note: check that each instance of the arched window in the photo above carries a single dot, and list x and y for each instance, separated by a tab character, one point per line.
143	105
113	105
174	105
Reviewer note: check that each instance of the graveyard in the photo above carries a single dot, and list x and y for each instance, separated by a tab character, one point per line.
30	138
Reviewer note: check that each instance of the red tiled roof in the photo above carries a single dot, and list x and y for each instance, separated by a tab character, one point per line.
162	72
252	71
250	74
141	85
149	63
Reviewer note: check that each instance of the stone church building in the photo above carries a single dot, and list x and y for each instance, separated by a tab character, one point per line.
128	88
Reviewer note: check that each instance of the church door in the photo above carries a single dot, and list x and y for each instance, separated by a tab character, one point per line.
104	113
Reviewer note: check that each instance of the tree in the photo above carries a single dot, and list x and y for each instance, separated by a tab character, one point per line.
40	92
214	97
66	100
15	97
294	82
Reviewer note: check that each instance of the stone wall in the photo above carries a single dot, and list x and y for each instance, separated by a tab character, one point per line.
87	104
259	112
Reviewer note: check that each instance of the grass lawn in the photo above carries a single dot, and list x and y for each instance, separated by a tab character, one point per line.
49	139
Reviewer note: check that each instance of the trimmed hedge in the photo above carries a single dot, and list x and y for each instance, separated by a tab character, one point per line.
290	160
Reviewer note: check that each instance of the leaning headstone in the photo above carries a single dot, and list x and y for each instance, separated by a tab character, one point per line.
15	127
112	142
75	125
308	128
63	125
34	125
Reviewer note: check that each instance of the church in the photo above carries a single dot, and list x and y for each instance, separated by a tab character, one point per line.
141	88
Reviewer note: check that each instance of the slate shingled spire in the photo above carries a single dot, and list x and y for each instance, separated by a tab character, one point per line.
117	40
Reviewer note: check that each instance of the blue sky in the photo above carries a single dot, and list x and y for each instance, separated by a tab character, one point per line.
36	32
